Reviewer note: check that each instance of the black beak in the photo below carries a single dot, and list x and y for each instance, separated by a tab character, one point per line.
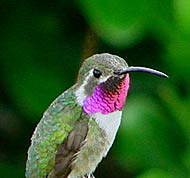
141	69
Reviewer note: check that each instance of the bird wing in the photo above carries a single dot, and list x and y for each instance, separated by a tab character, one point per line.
55	141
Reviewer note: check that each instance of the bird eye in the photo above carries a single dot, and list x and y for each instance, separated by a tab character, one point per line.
97	73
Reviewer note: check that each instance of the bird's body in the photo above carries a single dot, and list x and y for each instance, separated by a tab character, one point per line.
79	127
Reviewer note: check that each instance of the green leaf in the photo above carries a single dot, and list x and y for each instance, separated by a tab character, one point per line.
155	173
147	139
9	170
37	66
117	22
182	15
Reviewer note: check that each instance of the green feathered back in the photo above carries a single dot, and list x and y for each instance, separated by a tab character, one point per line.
56	123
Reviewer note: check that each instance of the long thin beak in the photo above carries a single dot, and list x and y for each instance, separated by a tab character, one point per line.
142	69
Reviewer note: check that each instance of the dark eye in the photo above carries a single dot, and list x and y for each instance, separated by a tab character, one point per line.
97	73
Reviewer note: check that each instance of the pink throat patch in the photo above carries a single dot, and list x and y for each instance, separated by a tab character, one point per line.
105	101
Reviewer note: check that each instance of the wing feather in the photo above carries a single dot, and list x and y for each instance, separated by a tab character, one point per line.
68	150
50	133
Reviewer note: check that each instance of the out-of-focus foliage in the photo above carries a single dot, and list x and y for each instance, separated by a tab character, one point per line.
42	45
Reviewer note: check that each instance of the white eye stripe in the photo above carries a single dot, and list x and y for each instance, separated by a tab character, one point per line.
80	92
103	79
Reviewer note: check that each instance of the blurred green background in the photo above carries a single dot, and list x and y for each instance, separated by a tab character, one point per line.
42	44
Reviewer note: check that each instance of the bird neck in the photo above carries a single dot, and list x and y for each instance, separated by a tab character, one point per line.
108	96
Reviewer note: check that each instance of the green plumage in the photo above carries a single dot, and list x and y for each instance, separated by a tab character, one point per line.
75	132
56	123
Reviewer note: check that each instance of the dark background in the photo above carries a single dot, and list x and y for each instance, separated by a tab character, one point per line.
42	44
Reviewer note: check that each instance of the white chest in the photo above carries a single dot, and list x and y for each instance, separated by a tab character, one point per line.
110	124
96	147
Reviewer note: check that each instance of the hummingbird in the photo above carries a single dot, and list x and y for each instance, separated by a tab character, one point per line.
79	127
